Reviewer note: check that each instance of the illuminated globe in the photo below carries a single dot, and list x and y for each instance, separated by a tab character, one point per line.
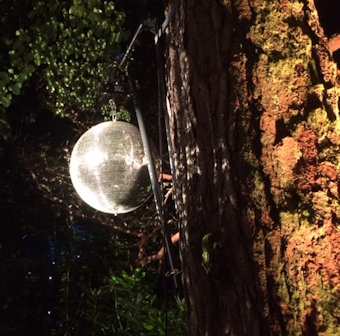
108	168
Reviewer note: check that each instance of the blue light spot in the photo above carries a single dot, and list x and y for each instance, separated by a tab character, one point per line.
78	256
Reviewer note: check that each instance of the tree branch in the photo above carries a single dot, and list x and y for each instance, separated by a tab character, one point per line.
334	43
159	255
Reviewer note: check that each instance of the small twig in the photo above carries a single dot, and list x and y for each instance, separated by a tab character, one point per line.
142	243
120	229
159	255
166	177
334	43
168	194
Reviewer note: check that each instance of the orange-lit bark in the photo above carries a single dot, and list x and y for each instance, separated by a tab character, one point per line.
256	131
144	260
334	43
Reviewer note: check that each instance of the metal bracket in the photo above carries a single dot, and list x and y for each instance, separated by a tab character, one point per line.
166	22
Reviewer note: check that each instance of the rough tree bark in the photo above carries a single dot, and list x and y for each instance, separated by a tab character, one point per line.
255	126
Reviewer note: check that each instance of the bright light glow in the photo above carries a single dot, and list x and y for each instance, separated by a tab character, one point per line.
94	158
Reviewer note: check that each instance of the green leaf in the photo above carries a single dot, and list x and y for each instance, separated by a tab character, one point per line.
6	100
77	10
15	88
149	327
28	70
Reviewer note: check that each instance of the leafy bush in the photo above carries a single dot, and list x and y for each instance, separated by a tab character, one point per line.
71	49
127	306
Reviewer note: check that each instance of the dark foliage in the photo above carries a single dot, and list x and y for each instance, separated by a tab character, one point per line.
63	272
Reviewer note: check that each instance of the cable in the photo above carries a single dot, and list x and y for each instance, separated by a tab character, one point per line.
162	87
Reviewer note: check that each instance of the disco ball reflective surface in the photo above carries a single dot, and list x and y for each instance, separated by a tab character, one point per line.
108	168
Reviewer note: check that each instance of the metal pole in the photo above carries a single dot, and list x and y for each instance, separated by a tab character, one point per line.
122	64
154	181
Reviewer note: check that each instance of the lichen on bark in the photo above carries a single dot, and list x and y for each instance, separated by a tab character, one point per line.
299	117
255	125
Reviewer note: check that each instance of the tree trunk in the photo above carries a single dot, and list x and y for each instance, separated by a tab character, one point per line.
256	132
